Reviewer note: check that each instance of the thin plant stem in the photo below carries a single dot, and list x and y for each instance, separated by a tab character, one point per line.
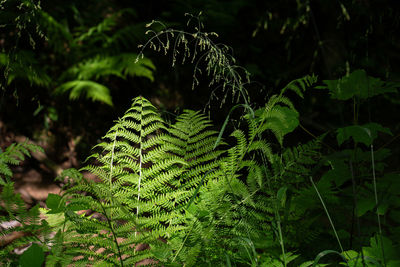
376	203
184	241
114	234
327	213
281	237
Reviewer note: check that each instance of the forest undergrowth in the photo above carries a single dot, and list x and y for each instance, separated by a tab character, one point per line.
180	193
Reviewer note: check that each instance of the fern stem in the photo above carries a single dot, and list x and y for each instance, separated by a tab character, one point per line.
376	203
184	241
327	213
140	160
114	235
109	219
278	222
111	171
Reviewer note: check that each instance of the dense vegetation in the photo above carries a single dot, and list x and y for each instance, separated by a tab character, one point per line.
305	174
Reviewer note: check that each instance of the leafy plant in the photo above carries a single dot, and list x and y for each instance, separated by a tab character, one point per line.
147	172
77	60
178	194
14	215
84	73
356	180
14	155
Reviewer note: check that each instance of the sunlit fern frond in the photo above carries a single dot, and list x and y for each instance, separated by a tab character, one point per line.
146	172
191	140
85	88
135	180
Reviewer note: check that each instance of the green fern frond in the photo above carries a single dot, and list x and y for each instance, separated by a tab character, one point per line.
120	65
300	85
89	89
241	203
190	140
147	172
85	72
27	222
157	181
99	31
126	36
138	183
295	162
109	32
14	154
24	65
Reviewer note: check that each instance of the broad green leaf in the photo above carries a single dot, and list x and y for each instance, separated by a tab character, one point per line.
290	119
364	205
356	84
361	133
356	259
53	202
383	208
54	220
32	257
323	254
339	173
381	245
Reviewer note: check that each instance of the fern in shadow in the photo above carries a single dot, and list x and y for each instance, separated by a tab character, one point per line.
15	217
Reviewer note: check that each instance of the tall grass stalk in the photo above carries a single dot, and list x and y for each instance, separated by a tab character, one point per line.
327	213
376	203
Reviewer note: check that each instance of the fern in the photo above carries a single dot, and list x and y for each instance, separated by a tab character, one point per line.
23	65
240	210
13	211
90	89
165	186
17	218
129	168
193	142
14	154
85	55
85	72
148	171
56	33
120	65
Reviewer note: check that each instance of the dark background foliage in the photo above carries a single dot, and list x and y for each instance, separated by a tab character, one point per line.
275	41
